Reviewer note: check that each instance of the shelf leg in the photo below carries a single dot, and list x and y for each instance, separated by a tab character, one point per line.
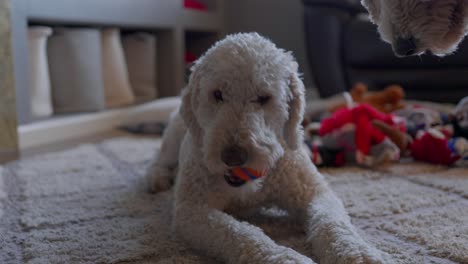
8	117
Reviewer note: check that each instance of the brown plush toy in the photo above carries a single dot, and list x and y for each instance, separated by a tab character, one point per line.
386	101
401	139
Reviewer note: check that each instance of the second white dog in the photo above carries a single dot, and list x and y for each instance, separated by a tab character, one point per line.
413	27
243	108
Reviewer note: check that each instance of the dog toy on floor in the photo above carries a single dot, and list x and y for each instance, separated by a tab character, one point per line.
239	176
344	139
459	146
459	119
366	135
419	118
436	147
397	136
322	156
386	101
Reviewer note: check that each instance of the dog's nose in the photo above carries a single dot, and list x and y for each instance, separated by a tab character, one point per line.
405	47
234	156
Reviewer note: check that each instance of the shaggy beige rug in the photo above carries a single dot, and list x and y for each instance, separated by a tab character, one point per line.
89	205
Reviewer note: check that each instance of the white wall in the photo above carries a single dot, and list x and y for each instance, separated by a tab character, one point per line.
279	20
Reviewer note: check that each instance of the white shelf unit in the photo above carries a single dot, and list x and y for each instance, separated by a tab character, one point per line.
177	30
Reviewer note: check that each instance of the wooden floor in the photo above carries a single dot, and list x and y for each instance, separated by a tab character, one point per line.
4	158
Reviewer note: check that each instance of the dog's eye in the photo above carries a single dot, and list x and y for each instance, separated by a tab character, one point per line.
218	96
263	100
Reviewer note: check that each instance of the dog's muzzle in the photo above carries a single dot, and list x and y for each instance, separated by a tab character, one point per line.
405	47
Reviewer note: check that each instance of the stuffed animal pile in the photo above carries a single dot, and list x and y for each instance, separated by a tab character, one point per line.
374	128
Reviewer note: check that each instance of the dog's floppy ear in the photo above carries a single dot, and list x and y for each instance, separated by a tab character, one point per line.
188	107
373	6
293	132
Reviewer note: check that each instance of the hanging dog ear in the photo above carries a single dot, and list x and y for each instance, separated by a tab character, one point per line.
373	7
293	132
188	107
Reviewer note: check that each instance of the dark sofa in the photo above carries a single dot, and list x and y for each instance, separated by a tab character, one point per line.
344	48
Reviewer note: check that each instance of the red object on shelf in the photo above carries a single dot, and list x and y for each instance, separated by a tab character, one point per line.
190	57
194	4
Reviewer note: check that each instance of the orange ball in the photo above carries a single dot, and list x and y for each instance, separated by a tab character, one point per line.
247	174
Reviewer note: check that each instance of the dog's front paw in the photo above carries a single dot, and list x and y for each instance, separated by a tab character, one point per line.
159	179
364	256
359	254
289	256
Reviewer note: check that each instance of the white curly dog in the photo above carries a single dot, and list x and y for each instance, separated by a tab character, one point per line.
413	27
243	107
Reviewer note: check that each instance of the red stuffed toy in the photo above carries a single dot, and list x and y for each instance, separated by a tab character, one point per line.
433	146
366	134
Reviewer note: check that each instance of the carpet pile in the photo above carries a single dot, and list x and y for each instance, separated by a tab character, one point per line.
89	204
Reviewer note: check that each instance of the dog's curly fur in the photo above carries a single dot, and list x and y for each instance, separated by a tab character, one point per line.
437	26
242	68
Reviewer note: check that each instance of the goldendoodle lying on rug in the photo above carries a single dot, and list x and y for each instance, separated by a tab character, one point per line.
243	109
416	26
